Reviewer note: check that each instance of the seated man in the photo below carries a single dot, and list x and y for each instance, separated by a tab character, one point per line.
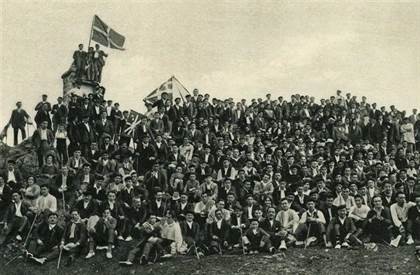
218	233
74	237
413	221
151	236
399	215
117	211
46	202
47	238
87	207
272	226
256	239
379	223
238	225
190	230
136	215
341	230
413	224
359	213
289	221
311	225
16	218
102	234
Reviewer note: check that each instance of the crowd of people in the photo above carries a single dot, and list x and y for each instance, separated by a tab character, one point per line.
201	176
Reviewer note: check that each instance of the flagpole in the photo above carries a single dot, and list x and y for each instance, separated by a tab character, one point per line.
91	31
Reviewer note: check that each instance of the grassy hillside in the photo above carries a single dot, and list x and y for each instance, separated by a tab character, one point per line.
295	261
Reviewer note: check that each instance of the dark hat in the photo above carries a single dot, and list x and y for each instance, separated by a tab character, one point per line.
89	192
190	210
342	206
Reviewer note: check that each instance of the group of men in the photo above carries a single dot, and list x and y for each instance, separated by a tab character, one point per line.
203	176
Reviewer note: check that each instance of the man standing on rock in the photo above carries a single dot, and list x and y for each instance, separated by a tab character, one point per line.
18	120
43	140
79	61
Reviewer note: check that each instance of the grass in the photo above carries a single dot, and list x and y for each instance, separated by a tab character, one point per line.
295	261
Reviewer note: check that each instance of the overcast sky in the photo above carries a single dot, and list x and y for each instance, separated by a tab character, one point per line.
226	48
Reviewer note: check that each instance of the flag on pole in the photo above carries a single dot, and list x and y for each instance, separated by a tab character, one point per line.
172	87
133	120
105	35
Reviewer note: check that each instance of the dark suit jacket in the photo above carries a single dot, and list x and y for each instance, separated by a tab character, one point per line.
79	59
193	233
271	229
100	128
326	213
58	182
80	233
297	206
50	238
86	136
222	233
36	138
5	198
90	210
158	211
18	119
11	211
59	113
116	212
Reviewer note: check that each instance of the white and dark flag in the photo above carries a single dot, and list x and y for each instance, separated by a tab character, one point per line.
172	87
106	36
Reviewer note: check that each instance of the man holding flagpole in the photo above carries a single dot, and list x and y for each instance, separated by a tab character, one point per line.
105	36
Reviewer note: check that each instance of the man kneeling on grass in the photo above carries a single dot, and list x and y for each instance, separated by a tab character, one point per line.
102	235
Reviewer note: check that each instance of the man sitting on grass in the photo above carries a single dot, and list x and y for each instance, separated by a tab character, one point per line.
256	239
102	234
342	229
46	240
311	225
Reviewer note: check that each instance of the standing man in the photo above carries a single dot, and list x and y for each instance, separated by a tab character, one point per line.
99	62
43	140
59	113
79	60
18	120
43	102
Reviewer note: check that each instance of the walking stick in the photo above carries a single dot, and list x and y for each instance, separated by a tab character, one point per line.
26	240
64	201
30	229
242	240
59	258
307	235
195	250
64	234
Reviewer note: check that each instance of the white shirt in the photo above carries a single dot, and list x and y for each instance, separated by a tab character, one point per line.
87	127
11	176
219	223
250	212
18	212
43	133
190	224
